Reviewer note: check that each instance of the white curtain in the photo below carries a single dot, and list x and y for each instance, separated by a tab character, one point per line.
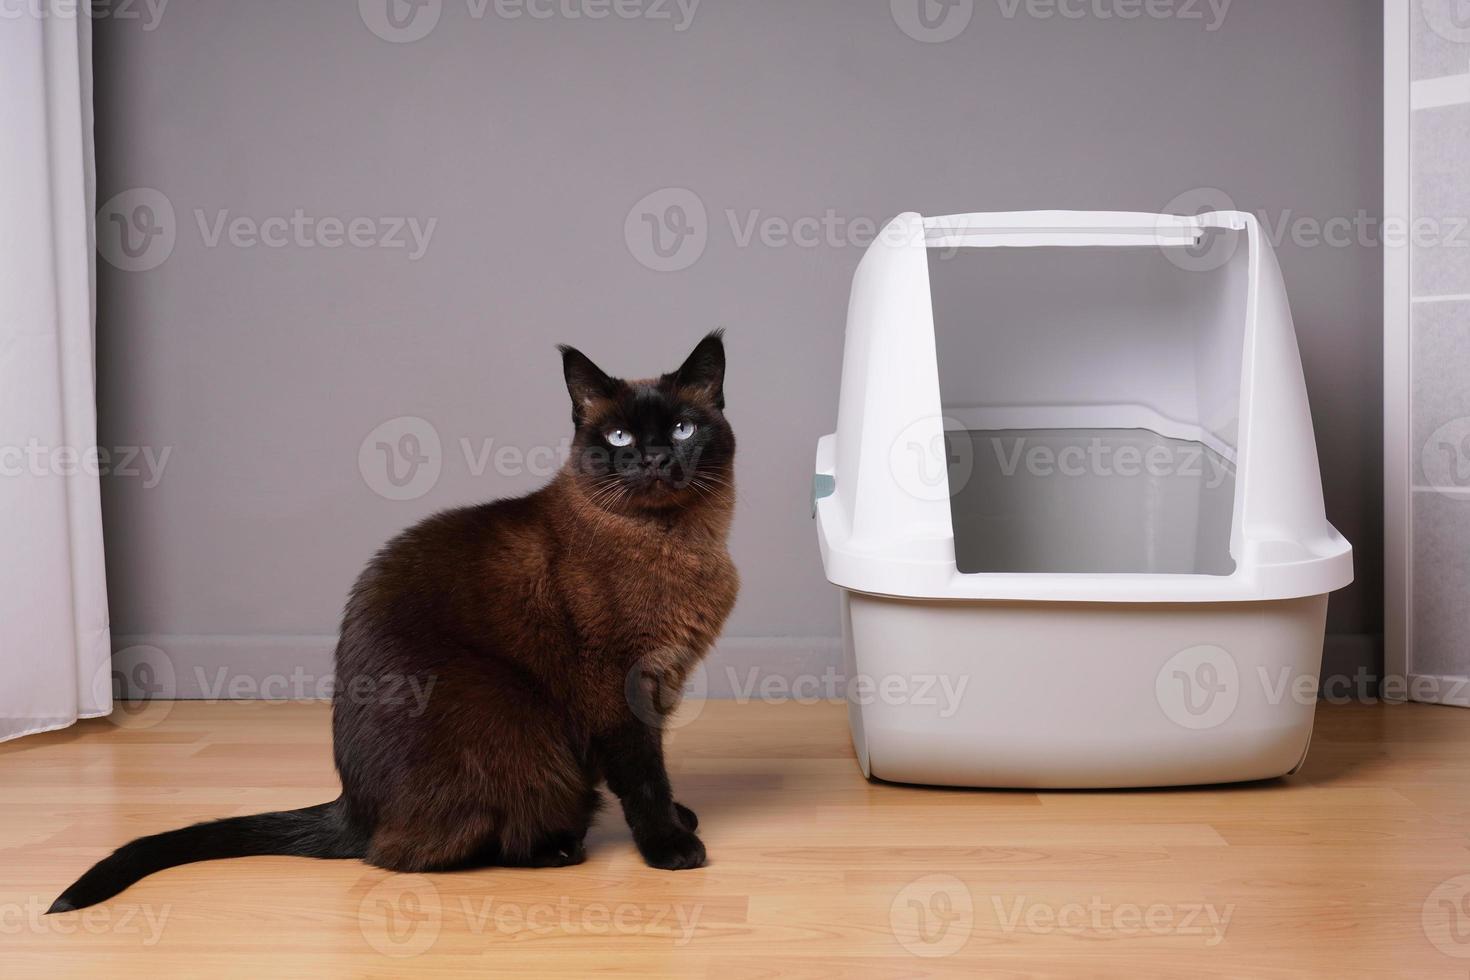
54	641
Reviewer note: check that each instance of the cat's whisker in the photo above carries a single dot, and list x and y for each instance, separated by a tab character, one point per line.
712	489
606	489
608	492
710	479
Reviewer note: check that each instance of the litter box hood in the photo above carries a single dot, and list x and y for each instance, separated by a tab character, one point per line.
1177	327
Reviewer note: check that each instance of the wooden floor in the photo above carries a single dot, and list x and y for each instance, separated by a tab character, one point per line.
1359	866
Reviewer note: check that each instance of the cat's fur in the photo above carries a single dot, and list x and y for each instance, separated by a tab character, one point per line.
552	632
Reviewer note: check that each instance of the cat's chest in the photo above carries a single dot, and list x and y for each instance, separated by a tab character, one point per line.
662	599
689	590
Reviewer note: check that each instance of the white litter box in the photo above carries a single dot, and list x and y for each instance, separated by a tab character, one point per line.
1073	504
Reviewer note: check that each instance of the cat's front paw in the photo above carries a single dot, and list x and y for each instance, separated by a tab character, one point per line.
687	818
675	850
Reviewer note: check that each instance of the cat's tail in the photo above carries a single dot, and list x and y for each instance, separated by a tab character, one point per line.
319	831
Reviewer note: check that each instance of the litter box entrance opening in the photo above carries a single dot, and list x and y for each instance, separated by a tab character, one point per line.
1089	501
1091	397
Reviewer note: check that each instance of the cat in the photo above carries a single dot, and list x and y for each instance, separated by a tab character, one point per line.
552	632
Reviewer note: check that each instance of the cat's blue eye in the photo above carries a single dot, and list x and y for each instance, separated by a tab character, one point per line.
683	430
619	438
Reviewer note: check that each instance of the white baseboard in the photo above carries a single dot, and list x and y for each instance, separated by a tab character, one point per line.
1439	689
286	667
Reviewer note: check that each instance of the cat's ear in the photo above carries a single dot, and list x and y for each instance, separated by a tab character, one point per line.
586	382
704	369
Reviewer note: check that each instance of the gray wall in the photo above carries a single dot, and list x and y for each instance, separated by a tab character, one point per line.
528	141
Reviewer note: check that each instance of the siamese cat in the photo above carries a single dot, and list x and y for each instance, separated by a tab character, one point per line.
553	632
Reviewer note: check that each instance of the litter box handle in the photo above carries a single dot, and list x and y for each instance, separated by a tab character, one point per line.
823	485
1073	228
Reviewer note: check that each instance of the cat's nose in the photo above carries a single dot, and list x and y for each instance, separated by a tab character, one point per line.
656	459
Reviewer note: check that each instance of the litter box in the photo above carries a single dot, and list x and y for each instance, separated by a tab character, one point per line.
1073	504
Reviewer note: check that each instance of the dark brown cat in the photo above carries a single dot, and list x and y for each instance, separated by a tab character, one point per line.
552	633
